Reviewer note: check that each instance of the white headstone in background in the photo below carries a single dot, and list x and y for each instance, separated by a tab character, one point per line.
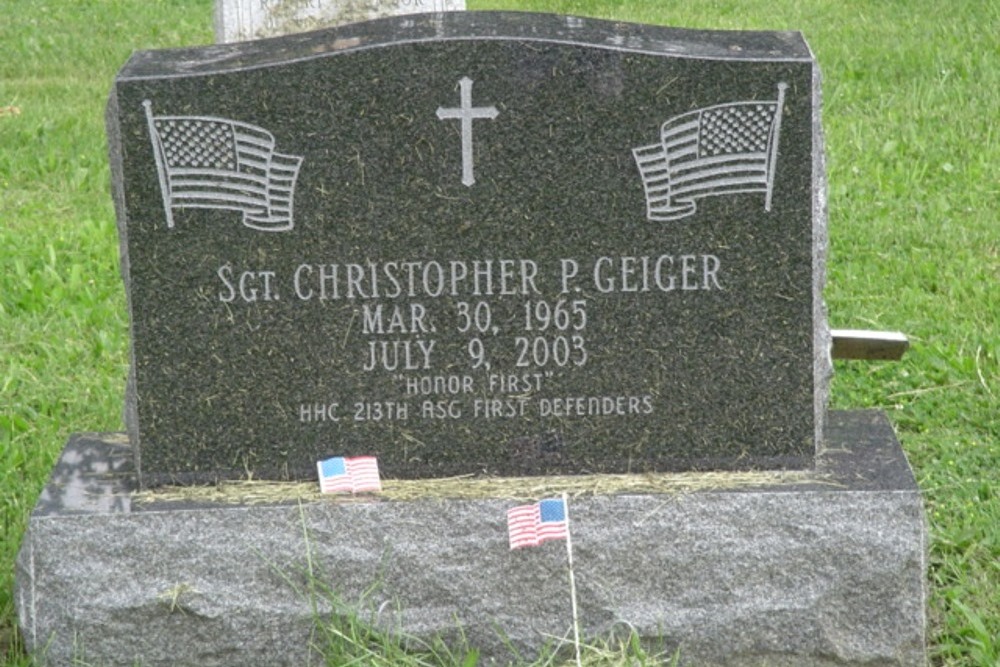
240	20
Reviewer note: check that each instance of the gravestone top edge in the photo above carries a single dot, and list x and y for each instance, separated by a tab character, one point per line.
476	25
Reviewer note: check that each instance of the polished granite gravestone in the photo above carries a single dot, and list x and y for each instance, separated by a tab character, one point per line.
824	568
240	20
500	243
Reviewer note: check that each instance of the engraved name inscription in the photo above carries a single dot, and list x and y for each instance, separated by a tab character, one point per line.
493	366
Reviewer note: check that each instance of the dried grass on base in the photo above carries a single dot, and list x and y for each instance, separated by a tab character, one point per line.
471	487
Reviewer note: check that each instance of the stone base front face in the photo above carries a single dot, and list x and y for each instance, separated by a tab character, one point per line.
828	572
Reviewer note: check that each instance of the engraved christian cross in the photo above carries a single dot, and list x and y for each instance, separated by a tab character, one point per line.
467	113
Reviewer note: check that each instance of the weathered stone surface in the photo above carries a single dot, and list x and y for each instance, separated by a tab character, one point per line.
323	258
827	572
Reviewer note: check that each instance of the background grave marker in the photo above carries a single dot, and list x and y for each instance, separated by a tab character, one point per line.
241	20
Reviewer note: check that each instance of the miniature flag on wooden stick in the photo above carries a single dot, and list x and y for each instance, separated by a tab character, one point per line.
530	525
349	475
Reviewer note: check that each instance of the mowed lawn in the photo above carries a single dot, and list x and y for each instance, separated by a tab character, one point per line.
912	119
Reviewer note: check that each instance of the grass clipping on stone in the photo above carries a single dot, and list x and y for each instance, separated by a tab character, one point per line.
472	487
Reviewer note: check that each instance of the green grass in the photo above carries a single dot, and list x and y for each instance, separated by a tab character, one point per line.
912	94
350	636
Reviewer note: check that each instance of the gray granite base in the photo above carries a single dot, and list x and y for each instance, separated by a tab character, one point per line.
830	572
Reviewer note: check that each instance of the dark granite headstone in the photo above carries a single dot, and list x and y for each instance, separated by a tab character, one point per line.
473	243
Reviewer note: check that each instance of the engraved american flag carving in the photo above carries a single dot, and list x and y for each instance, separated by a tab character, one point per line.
209	162
718	150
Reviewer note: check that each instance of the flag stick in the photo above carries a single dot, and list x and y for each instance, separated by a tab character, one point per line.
572	584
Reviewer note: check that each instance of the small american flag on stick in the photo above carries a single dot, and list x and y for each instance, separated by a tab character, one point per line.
531	525
349	475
